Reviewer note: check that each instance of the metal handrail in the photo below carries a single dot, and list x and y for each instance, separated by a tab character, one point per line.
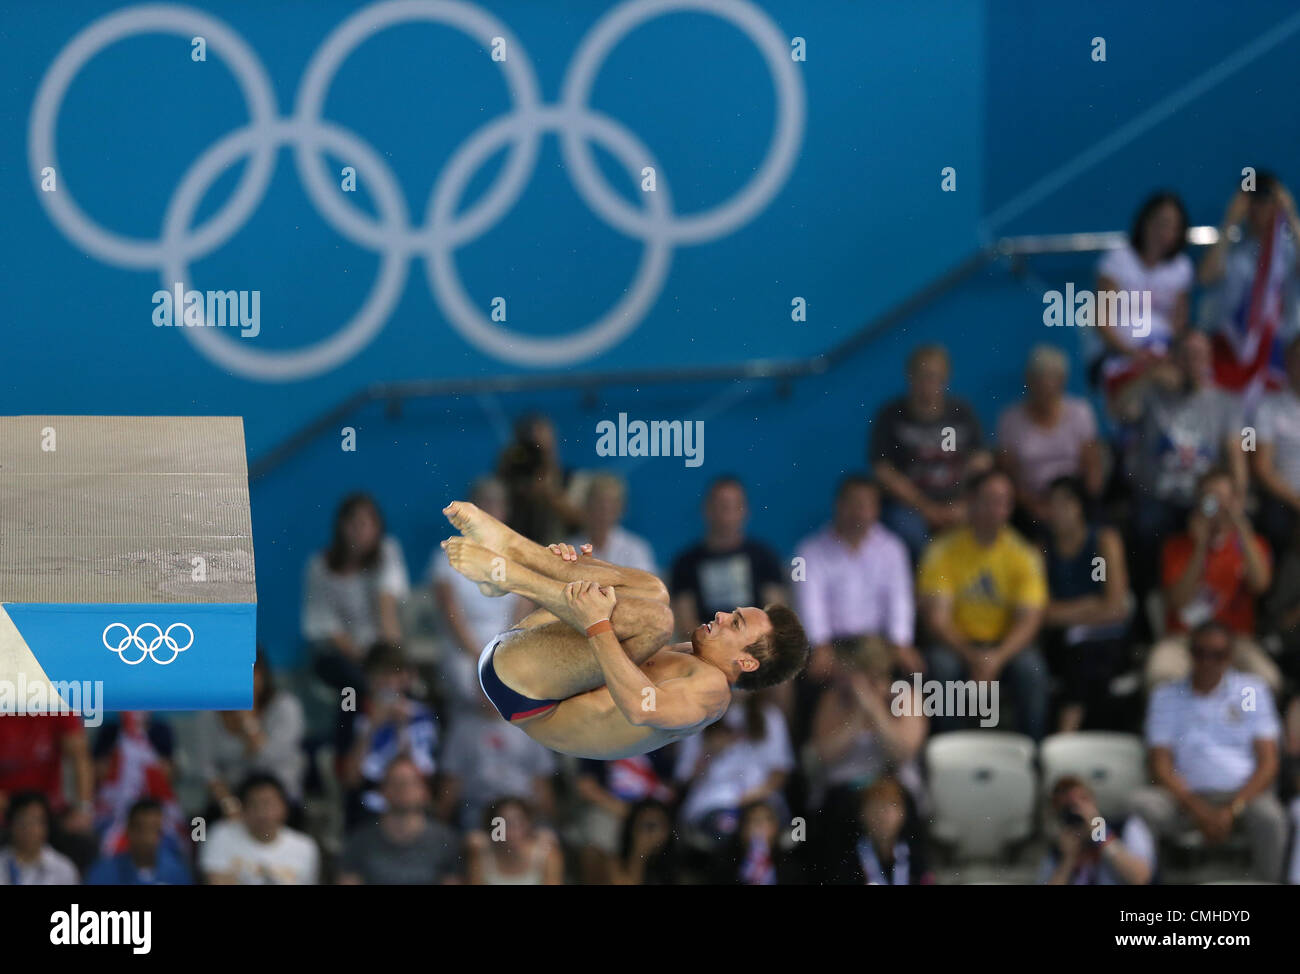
753	369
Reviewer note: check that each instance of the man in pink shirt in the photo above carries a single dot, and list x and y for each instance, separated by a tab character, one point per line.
857	580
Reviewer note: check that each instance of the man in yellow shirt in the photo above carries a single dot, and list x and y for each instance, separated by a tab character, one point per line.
983	589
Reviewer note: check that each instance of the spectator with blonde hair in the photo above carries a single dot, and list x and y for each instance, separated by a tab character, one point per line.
605	502
1048	435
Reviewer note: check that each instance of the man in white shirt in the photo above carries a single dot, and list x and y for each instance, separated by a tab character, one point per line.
259	849
857	580
606	500
1213	749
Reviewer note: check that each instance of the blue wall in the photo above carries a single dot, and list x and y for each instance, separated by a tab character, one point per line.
1004	92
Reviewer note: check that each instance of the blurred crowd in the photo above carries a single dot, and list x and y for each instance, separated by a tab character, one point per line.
1126	561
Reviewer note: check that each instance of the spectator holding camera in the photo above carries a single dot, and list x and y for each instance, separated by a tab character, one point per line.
234	744
859	735
1216	569
1089	851
395	723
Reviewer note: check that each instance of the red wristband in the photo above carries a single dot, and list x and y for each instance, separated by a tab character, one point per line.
596	628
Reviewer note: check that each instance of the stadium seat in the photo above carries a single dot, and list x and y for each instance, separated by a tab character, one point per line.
982	785
1113	765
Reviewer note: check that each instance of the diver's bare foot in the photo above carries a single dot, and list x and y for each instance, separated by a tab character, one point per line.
477	564
479	526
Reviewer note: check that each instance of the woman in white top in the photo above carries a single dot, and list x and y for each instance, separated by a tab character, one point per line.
512	851
744	757
352	592
231	745
28	860
1151	261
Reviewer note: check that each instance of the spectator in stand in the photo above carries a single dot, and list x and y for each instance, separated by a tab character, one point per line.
1153	261
133	762
608	791
1277	456
883	853
395	723
28	860
1188	426
1048	435
744	757
258	849
231	745
1213	747
1086	850
647	853
725	569
147	859
984	591
470	617
1085	624
537	483
1252	274
756	855
33	750
857	582
863	729
1281	611
606	500
485	759
511	850
1216	569
403	847
923	446
352	592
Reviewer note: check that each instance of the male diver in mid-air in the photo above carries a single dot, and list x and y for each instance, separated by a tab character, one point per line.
590	673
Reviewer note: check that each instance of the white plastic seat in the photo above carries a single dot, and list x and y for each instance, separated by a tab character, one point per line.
982	788
1112	764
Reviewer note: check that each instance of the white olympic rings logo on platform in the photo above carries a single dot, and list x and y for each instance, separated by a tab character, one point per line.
393	236
133	640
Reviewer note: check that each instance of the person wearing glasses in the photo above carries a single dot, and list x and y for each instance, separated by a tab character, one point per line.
1212	744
